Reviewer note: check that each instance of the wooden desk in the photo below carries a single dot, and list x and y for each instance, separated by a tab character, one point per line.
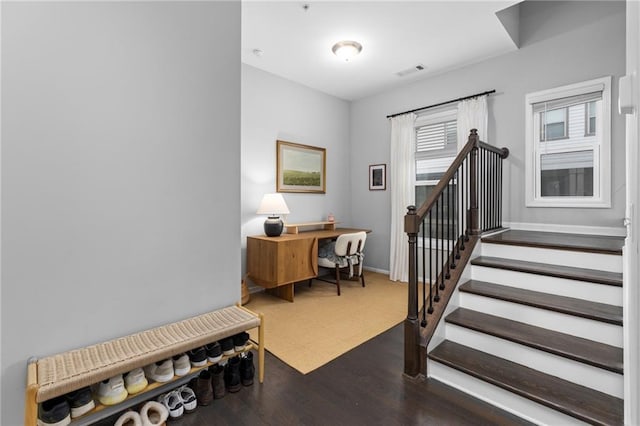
277	263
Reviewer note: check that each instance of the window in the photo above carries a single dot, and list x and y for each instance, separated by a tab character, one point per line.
568	146
436	148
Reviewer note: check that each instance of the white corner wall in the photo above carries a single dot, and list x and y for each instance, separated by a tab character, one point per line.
560	43
120	172
274	108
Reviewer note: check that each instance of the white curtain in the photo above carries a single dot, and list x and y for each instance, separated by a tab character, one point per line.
472	114
402	167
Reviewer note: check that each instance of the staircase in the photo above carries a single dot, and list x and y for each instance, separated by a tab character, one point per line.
536	328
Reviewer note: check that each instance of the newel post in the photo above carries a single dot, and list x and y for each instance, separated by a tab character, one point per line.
411	324
473	218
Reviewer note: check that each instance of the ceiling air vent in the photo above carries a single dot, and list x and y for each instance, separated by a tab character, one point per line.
410	71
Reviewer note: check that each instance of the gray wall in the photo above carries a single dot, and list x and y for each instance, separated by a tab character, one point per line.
275	108
561	43
120	172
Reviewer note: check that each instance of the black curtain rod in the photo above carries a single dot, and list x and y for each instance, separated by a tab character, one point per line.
443	103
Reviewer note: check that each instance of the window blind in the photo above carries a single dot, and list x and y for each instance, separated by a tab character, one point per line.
566	102
436	140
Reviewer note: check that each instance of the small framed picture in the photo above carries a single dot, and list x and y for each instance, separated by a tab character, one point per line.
378	177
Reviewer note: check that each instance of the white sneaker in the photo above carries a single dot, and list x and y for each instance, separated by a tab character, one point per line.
181	365
173	403
161	371
112	391
135	381
189	399
153	414
130	418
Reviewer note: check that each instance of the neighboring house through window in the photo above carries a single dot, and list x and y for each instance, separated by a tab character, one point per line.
568	145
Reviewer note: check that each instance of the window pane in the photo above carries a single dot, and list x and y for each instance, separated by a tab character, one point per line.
591	118
422	193
567	174
432	169
553	124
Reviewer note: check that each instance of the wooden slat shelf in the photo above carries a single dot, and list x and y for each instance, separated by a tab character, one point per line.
294	228
150	392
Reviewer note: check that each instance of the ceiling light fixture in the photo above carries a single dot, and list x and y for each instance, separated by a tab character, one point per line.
346	49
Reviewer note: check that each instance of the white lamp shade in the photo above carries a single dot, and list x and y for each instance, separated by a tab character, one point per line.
273	204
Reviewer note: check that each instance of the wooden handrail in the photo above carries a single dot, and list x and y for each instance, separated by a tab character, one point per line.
470	216
472	142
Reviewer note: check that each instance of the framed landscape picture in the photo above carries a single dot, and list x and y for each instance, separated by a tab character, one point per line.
300	168
378	177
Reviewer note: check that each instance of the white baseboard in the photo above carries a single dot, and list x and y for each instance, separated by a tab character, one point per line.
568	229
380	271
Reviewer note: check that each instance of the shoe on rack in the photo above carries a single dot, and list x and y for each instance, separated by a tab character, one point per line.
247	369
173	403
112	391
232	375
227	346
189	399
217	380
153	413
198	357
54	412
181	365
129	418
240	341
214	352
161	371
203	389
135	381
80	401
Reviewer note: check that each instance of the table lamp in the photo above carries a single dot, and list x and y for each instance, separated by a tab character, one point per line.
273	205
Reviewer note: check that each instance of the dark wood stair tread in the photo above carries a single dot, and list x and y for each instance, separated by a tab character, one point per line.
559	271
567	305
565	345
569	398
559	241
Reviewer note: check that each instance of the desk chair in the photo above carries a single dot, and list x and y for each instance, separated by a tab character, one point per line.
345	253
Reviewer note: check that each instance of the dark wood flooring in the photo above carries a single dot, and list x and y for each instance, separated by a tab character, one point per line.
363	387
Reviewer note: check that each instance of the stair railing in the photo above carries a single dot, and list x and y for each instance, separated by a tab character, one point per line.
442	232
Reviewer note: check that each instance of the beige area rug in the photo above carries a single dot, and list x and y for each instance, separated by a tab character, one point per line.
320	325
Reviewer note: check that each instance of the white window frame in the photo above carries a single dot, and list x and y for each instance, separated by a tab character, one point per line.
424	120
434	117
602	151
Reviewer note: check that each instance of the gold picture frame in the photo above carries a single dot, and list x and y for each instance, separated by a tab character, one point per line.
300	168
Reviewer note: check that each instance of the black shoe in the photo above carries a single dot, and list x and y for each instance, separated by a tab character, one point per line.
217	380
203	389
214	352
232	375
80	402
247	369
240	341
55	411
227	346
198	357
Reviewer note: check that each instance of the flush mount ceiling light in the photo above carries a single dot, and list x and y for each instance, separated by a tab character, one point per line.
346	49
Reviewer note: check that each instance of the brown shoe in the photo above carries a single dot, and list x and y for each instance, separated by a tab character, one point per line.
203	389
217	381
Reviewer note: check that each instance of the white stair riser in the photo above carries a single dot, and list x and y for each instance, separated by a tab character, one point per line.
566	369
499	397
600	293
602	262
598	331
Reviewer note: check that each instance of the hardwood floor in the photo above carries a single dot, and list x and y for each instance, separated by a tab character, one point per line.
364	386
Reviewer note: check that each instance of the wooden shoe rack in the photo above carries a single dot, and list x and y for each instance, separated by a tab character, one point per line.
62	373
